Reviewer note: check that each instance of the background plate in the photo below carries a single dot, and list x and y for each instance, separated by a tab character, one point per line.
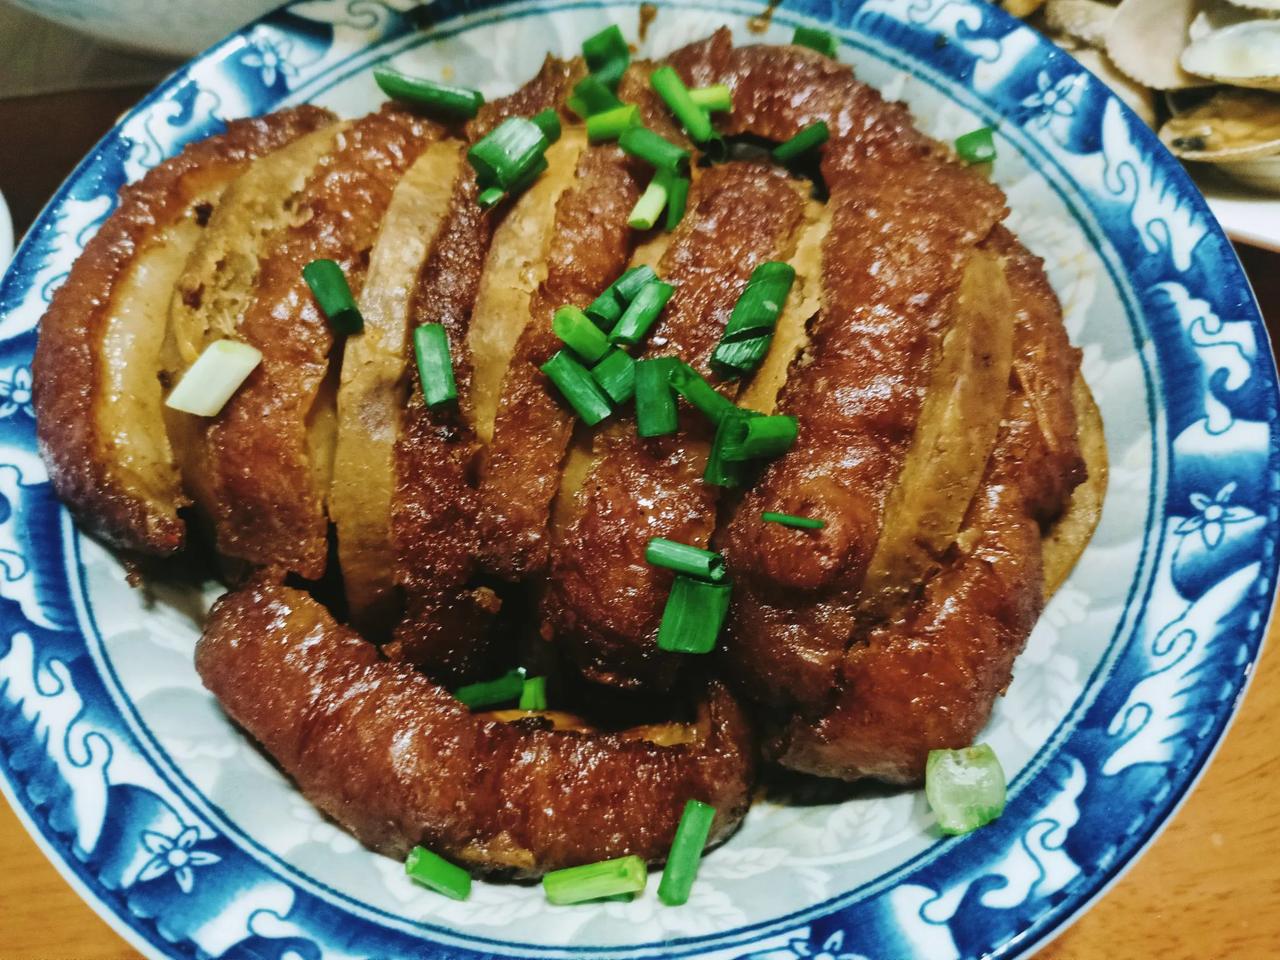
193	844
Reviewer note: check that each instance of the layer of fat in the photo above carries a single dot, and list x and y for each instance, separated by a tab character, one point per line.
217	281
1067	539
374	381
959	420
513	270
791	335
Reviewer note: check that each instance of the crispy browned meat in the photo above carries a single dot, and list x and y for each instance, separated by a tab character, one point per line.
929	679
399	761
590	246
271	446
434	514
905	219
604	601
97	399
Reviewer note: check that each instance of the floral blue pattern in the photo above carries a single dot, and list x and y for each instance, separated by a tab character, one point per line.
1188	388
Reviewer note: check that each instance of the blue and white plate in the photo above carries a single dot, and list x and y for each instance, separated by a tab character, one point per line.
193	845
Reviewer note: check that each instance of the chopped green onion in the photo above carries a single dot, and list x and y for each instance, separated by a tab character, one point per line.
610	124
668	85
737	358
576	104
677	198
683	558
607	55
815	39
595	881
435	365
791	520
651	203
616	375
979	146
730	431
965	788
655	402
442	98
333	295
577	387
504	155
432	870
548	121
538	168
749	332
653	149
641	313
689	384
488	693
579	334
686	853
693	616
533	696
217	373
606	309
490	197
762	437
717	98
812	136
594	96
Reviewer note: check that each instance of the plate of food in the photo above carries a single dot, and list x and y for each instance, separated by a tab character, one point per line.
555	479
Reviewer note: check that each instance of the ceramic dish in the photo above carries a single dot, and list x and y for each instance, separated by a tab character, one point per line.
192	844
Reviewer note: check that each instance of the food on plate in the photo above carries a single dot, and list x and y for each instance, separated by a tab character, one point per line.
1216	61
563	431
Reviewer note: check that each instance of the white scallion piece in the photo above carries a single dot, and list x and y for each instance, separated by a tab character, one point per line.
217	373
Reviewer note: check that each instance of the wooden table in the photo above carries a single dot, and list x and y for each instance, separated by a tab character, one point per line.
1208	888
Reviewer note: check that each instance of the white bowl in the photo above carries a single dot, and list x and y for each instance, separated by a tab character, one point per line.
170	27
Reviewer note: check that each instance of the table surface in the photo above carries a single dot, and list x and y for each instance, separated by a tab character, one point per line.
1209	887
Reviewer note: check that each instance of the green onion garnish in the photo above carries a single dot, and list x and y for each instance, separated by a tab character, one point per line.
577	387
761	437
607	55
533	695
814	135
979	146
717	98
965	788
730	431
432	870
677	198
689	384
610	124
579	334
641	313
753	319
548	121
815	39
682	558
595	881
686	853
791	520
488	693
668	85
693	616
217	373
490	197
651	203
606	309
441	98
333	295
616	375
506	154
656	414
593	96
655	150
435	365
